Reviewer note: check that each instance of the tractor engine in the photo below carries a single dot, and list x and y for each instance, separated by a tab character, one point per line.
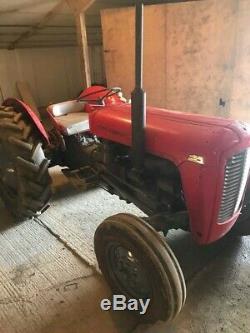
157	191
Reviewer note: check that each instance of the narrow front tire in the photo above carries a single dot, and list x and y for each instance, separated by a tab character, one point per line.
136	262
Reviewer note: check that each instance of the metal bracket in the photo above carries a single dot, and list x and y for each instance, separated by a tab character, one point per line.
83	178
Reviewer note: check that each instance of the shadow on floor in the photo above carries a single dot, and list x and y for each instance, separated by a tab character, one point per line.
193	257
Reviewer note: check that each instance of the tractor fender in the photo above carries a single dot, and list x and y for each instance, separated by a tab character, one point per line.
25	108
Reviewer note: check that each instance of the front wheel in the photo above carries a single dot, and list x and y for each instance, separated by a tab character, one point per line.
137	263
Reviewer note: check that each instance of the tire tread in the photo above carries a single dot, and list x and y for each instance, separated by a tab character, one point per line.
21	140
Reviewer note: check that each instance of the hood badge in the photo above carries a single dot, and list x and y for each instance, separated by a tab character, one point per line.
196	159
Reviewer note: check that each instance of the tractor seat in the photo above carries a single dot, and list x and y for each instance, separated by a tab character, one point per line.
69	117
73	123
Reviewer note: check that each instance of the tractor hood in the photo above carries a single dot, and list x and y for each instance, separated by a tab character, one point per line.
176	136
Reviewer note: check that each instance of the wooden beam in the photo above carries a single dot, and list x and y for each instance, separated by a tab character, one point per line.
73	33
79	8
30	26
47	42
83	46
11	10
24	90
42	46
33	30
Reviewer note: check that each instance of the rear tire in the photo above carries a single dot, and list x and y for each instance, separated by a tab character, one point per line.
25	184
137	262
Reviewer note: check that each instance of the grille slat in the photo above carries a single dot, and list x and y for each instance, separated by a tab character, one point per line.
231	190
232	178
226	212
234	169
229	198
227	206
236	159
232	183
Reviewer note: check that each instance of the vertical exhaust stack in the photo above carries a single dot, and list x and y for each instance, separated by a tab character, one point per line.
138	96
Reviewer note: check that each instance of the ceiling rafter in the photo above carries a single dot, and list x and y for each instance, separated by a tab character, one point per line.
58	33
35	28
22	7
30	26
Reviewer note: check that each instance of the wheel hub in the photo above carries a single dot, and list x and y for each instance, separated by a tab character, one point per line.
129	272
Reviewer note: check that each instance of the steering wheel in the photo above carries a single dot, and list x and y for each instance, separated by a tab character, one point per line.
99	101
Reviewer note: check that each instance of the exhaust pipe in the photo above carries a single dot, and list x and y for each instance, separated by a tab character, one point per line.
138	96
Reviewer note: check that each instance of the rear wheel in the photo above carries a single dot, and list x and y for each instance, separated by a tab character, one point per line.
137	263
25	184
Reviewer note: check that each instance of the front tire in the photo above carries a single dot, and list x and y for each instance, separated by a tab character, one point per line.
25	184
137	263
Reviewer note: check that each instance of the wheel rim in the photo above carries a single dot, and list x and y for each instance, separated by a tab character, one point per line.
128	271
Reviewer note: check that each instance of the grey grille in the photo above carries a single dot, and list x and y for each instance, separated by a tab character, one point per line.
232	183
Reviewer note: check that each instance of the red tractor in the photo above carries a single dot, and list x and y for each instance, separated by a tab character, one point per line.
183	171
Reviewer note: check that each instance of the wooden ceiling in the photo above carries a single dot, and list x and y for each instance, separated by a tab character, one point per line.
47	23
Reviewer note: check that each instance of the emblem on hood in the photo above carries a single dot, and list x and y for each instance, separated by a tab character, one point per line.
196	159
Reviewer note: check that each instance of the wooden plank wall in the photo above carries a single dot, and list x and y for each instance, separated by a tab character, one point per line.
196	55
97	65
240	97
53	74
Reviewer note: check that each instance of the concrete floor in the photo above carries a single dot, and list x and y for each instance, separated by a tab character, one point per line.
49	282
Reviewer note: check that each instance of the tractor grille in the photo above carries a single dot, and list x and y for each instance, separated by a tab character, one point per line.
234	173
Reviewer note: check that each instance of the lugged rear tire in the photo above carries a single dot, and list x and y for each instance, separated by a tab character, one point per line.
25	184
137	263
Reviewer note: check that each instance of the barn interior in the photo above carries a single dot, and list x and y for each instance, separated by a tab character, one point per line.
196	60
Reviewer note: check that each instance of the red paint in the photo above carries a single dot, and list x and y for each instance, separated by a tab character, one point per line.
24	108
175	136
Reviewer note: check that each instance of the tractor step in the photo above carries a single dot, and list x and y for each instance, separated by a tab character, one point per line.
83	178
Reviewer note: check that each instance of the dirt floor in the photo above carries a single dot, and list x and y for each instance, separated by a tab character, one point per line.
49	282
